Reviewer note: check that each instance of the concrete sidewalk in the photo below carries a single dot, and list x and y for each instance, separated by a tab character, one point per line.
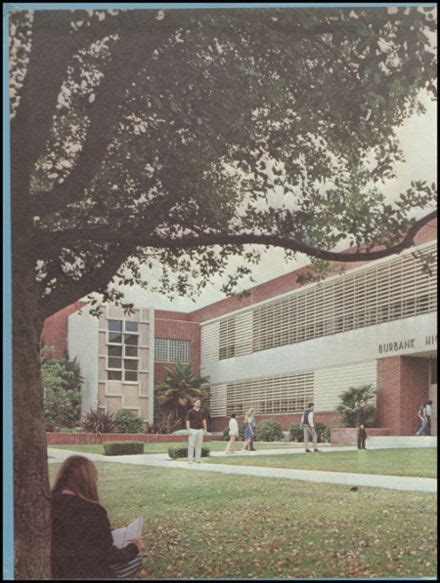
162	460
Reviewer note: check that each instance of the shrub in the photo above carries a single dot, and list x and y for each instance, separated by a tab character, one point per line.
165	423
269	431
295	432
324	434
322	431
177	452
350	403
61	379
128	422
98	421
123	447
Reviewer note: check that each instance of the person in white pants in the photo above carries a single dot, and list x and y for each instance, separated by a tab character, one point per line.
196	427
308	426
233	434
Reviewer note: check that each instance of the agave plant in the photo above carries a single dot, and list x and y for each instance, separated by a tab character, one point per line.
98	421
180	388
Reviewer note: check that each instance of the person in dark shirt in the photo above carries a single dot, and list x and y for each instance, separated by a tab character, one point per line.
196	427
82	543
360	418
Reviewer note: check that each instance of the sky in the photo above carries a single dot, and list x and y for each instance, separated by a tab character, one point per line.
418	141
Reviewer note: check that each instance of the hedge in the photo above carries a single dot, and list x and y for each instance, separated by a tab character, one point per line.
177	452
269	431
123	447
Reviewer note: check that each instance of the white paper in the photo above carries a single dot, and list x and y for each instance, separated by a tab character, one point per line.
125	535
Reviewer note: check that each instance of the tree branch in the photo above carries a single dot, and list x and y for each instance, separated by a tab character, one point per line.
75	290
139	238
30	128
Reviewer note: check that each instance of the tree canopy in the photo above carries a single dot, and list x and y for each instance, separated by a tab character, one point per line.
146	137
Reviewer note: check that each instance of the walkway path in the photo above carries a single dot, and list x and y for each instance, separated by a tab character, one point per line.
162	460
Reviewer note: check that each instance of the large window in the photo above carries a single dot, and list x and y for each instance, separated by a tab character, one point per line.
270	395
122	351
172	351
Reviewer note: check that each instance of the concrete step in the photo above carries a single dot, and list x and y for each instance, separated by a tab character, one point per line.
402	441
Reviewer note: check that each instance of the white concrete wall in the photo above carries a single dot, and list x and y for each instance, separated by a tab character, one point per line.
82	343
355	346
331	382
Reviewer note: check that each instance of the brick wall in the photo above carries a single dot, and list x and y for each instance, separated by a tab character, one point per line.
54	332
176	326
86	438
427	233
403	383
348	435
329	418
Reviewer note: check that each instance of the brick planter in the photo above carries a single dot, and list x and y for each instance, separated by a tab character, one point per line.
348	435
85	438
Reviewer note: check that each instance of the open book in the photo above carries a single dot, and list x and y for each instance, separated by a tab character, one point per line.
125	535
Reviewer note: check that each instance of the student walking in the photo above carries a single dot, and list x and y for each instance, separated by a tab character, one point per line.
248	431
233	434
428	414
253	423
196	427
360	419
308	426
82	542
423	421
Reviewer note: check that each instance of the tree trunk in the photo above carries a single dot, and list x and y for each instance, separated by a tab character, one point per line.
32	520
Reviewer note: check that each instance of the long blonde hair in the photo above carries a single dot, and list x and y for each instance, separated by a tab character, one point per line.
250	412
79	475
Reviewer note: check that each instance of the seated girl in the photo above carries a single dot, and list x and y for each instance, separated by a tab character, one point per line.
82	543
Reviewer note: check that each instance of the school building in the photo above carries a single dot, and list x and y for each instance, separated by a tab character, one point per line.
278	348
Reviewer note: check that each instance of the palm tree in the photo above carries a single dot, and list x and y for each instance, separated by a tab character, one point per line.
180	387
350	404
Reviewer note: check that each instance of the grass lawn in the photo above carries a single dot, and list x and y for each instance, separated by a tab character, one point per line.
398	462
218	526
163	447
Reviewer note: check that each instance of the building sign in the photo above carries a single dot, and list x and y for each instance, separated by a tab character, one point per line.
397	345
405	344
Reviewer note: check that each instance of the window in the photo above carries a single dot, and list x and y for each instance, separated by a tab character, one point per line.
172	351
270	395
122	351
227	338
